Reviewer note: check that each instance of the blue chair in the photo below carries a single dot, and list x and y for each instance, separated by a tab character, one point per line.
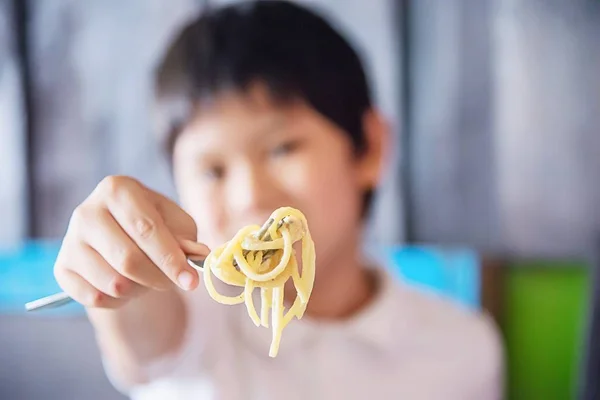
26	274
454	272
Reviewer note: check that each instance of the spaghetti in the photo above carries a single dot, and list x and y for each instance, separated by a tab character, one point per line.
266	263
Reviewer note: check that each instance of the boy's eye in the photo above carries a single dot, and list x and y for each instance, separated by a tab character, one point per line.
214	172
285	148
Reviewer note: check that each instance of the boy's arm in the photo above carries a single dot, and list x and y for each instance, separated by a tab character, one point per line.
141	333
123	258
489	373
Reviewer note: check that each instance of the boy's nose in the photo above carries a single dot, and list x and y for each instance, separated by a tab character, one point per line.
252	193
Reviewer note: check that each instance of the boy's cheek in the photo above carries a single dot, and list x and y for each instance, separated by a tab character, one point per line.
335	208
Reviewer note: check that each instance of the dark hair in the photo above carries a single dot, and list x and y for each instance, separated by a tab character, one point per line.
295	53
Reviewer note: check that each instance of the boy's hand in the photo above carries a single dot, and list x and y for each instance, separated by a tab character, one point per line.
123	239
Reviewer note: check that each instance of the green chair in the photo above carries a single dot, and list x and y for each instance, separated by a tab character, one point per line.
544	320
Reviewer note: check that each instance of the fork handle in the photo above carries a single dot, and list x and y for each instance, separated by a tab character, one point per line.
52	301
61	299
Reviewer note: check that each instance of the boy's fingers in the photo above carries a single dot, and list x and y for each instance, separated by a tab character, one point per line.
96	270
104	235
84	292
194	249
142	222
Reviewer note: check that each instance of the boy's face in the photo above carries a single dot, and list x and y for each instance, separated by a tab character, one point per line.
243	157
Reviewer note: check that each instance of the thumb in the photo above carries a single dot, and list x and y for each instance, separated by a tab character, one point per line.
194	249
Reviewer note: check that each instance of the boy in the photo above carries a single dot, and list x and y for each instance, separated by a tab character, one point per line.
263	105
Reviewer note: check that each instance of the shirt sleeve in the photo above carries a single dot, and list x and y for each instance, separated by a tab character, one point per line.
187	360
490	370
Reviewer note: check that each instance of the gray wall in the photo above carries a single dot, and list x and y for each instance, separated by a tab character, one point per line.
547	125
505	122
450	141
13	166
91	65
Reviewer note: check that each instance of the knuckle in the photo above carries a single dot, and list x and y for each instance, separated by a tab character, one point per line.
83	218
80	215
80	212
129	262
119	287
168	262
144	227
191	227
96	299
114	185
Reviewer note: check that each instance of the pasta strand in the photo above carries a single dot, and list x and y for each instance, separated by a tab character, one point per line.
267	264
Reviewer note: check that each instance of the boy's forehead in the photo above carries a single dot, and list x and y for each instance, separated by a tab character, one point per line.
255	109
241	117
256	96
253	114
233	124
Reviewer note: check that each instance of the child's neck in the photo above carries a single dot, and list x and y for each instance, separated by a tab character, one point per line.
342	289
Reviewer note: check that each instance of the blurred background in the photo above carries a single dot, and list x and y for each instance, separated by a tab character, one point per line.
493	195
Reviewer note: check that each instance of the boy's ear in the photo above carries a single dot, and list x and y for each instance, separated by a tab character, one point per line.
376	153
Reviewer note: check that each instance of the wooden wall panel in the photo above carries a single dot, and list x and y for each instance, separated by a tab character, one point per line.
91	70
505	124
13	164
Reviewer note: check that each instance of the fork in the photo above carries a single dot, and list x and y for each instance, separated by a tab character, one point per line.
62	298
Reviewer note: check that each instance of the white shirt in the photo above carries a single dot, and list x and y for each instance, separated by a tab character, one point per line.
408	344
